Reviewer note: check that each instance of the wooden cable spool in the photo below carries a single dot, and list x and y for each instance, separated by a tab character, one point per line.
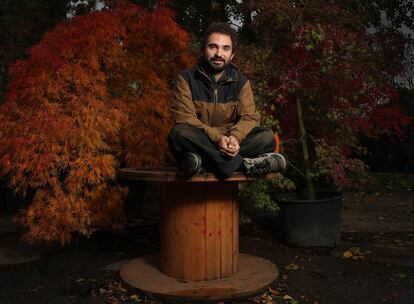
199	222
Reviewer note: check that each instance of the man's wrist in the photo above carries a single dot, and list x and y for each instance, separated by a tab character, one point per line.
221	136
231	135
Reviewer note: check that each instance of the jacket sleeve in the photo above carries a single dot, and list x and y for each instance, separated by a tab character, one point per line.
246	110
184	111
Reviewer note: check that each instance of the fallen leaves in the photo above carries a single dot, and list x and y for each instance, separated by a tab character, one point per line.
292	266
288	298
356	253
114	293
273	296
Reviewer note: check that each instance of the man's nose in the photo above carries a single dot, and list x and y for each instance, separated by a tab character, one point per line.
219	52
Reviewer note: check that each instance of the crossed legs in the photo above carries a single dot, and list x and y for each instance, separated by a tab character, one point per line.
185	138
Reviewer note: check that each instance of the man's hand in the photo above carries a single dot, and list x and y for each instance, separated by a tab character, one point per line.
228	145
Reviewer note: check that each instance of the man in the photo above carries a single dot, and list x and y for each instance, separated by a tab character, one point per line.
217	124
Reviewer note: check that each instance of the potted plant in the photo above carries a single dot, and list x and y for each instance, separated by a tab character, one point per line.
317	71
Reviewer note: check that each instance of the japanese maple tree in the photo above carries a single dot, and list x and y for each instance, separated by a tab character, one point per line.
93	94
321	74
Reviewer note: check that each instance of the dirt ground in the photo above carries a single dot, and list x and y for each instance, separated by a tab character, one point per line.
373	264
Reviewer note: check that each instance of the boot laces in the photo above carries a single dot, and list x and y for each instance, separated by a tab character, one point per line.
261	168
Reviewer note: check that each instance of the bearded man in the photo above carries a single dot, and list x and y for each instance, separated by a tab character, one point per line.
216	122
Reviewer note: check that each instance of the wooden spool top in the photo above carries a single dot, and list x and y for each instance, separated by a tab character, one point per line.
174	174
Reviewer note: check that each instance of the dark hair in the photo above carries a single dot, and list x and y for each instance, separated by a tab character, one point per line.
221	28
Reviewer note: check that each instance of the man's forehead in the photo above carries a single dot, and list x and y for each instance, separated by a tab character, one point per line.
219	39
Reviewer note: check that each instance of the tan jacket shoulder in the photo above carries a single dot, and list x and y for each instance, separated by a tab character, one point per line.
184	110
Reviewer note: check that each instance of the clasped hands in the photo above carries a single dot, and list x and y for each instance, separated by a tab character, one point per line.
228	145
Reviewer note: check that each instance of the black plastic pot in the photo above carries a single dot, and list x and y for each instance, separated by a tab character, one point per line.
308	223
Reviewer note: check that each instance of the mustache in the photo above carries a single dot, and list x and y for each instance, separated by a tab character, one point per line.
216	58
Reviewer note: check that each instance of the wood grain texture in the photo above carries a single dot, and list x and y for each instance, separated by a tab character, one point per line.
213	227
172	174
254	276
183	230
170	200
235	217
198	238
226	231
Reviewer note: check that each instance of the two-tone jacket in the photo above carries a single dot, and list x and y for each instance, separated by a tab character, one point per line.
225	107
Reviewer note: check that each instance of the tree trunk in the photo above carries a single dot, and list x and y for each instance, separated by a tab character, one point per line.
306	163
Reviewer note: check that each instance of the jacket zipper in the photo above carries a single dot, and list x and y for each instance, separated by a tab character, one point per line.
215	87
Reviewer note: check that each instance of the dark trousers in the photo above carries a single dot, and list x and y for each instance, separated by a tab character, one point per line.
187	138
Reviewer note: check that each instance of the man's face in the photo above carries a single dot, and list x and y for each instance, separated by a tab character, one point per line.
218	51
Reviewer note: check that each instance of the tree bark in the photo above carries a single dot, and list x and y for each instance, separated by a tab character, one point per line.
310	189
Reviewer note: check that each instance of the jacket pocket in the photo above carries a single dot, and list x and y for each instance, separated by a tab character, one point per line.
224	114
203	110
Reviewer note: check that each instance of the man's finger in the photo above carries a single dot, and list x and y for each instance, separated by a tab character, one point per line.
226	150
232	152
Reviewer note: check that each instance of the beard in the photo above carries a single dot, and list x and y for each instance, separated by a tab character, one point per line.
215	69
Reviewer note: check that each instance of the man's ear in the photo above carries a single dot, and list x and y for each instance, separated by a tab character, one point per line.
231	57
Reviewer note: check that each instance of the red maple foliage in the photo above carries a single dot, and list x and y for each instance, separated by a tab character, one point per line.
94	93
319	57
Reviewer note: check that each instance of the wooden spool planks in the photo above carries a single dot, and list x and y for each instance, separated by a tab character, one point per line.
199	230
173	174
199	222
255	275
